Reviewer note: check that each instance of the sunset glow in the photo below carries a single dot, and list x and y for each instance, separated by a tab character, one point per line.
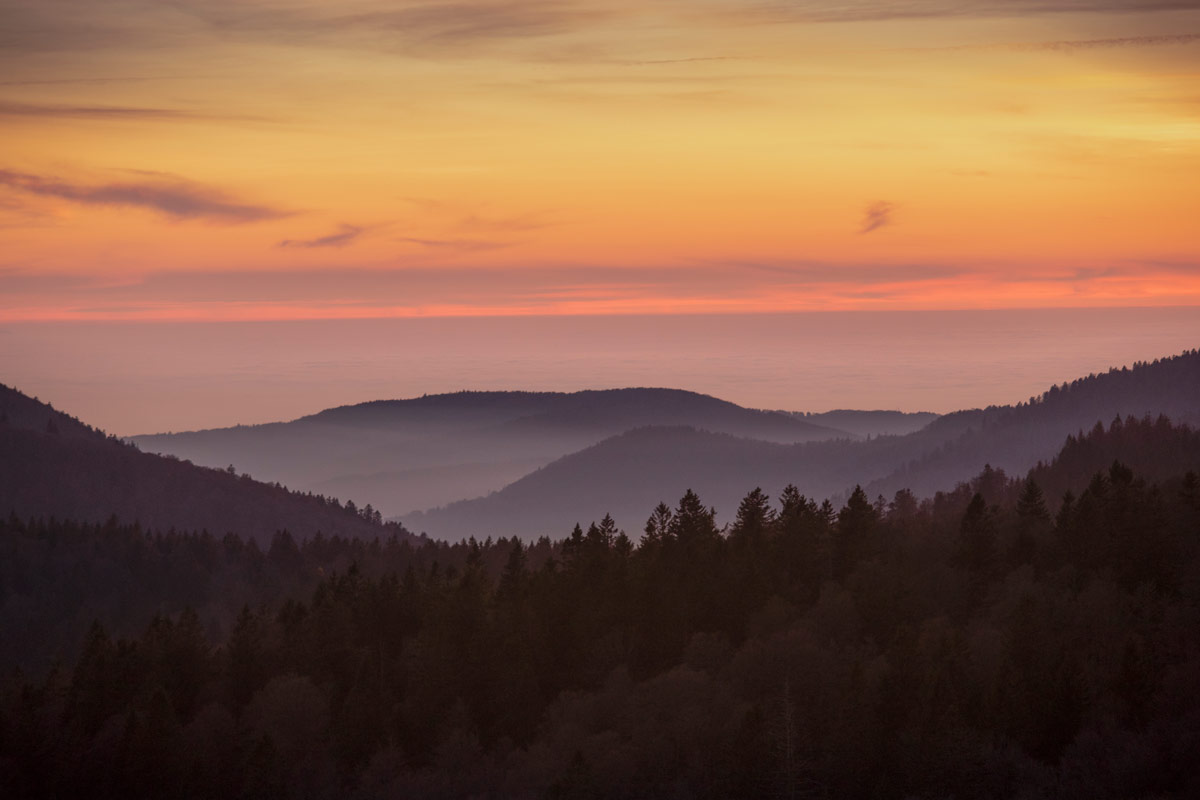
297	160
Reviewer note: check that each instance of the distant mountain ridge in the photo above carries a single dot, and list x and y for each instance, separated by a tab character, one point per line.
455	407
426	451
620	475
1015	437
870	423
589	409
53	465
534	463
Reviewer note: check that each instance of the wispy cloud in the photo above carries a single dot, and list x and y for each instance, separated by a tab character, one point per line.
456	28
346	235
461	245
875	10
449	227
116	113
172	197
418	27
876	216
86	81
10	109
471	217
467	22
692	60
1070	45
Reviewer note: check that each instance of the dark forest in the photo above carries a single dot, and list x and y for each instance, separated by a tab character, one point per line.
1034	636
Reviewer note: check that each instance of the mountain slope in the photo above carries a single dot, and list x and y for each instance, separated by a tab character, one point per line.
630	473
52	465
423	452
1014	438
622	475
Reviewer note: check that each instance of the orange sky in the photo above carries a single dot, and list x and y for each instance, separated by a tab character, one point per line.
222	160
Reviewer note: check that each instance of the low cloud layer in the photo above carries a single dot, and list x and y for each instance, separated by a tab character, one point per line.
345	292
172	197
485	285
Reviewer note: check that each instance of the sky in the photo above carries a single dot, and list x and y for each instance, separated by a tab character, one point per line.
147	377
228	161
246	159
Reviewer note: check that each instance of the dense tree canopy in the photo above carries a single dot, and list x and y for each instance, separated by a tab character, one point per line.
991	641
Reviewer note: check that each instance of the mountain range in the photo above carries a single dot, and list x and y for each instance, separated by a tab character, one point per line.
529	464
419	453
626	474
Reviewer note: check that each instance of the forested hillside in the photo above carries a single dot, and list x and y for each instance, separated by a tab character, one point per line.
1015	437
990	641
52	465
57	577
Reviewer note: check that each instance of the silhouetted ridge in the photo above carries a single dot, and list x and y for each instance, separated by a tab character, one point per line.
437	407
630	407
1014	438
68	470
21	412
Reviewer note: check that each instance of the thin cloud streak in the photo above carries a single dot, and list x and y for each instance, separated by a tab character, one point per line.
1069	45
822	273
463	245
113	79
450	24
428	22
177	199
465	29
881	10
658	61
9	109
460	28
134	113
345	236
